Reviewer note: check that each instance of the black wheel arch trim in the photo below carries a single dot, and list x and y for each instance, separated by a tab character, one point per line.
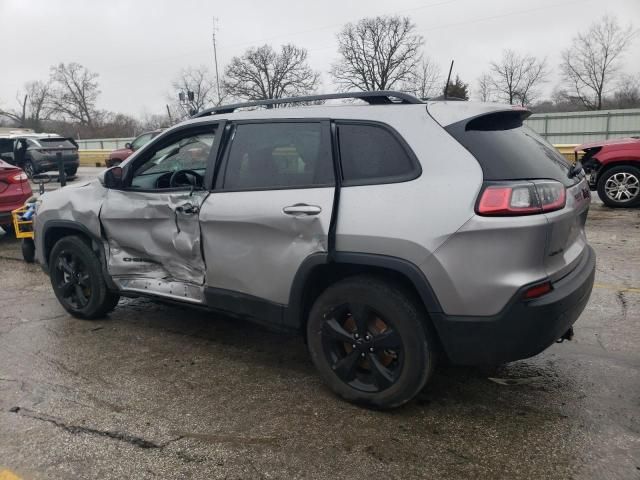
295	309
97	244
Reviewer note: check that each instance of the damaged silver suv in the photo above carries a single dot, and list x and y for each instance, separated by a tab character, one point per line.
389	234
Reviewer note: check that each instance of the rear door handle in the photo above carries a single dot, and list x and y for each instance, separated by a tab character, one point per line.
301	209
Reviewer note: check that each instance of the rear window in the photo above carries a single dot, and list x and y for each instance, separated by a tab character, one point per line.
372	154
508	150
56	143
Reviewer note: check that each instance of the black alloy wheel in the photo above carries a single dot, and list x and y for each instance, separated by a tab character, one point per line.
363	348
72	279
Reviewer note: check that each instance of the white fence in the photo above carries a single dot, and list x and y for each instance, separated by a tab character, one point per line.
582	127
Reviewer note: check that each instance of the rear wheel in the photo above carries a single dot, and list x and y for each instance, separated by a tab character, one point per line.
620	186
371	342
28	250
71	172
77	281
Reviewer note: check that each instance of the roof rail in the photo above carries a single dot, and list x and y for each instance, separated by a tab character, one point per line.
382	97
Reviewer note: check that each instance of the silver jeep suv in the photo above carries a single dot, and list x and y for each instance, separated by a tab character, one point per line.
389	234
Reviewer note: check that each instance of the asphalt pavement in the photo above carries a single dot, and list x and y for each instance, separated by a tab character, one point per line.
158	391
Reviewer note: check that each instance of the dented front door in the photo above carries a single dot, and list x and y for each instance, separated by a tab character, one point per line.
154	241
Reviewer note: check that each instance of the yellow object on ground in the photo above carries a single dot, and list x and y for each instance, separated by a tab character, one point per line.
8	475
23	228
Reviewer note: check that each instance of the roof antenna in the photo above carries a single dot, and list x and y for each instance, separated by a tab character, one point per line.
446	87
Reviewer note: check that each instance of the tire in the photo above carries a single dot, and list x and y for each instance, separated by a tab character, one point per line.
623	182
29	168
76	277
71	172
28	250
375	374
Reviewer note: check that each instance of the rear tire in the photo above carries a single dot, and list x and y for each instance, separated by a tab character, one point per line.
371	342
619	187
71	172
76	277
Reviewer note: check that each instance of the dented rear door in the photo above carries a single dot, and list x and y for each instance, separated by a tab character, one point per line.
271	207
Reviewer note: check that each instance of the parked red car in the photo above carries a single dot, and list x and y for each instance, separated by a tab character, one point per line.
614	168
116	157
14	192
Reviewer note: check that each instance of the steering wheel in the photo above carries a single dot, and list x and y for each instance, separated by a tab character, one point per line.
173	181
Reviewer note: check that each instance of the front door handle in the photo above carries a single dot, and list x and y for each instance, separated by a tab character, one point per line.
301	209
187	209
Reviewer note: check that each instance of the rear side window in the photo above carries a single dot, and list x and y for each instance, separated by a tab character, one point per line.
508	150
279	155
373	154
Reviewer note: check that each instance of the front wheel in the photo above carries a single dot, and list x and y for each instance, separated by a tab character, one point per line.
620	186
371	342
77	281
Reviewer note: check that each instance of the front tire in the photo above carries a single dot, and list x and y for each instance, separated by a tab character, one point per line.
371	342
76	277
619	187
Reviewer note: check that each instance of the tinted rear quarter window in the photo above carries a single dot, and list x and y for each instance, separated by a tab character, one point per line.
508	150
373	154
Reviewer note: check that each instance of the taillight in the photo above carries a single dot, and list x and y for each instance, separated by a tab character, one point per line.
521	198
17	178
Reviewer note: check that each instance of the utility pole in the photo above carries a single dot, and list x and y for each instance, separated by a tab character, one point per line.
215	56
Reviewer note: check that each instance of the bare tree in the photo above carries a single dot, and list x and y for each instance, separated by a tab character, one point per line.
485	88
34	105
590	64
515	77
426	80
377	53
201	83
75	93
262	73
627	94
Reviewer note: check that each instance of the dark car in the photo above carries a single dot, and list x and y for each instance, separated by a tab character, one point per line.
614	167
14	192
37	153
116	157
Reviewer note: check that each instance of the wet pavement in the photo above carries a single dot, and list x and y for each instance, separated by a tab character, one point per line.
158	391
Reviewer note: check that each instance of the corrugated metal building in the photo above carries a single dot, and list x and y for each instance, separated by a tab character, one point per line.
581	127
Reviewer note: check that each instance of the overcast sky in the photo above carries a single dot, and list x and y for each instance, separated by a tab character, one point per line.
139	46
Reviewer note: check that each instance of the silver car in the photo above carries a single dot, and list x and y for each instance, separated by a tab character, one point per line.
389	233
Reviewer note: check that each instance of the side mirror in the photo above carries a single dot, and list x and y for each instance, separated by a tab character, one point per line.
128	145
113	178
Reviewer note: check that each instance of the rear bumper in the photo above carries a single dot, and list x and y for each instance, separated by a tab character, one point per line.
48	165
523	328
5	210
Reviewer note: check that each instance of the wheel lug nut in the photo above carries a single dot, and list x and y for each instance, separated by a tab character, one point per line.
353	346
371	349
362	354
357	336
367	337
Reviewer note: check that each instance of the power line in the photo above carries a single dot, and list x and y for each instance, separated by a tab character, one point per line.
215	56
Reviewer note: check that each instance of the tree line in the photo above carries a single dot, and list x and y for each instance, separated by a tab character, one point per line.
379	53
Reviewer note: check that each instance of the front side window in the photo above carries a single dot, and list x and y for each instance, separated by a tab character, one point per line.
372	154
278	155
188	154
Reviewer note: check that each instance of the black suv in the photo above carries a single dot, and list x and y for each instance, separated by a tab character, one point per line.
36	153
